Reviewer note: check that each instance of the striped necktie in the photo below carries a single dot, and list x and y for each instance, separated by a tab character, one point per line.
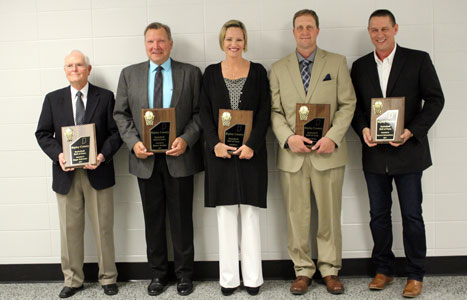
305	72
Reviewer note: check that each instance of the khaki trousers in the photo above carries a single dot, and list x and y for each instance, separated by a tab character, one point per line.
99	205
327	189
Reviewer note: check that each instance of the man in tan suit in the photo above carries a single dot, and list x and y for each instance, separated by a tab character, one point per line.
312	75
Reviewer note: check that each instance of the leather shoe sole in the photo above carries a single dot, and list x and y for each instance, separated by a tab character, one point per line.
110	289
300	285
412	289
157	286
379	282
334	285
252	291
227	291
184	287
69	291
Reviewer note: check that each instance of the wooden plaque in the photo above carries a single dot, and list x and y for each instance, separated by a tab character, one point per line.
312	120
79	145
159	130
387	119
235	126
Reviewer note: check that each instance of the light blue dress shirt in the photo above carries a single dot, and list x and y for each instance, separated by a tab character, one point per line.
167	84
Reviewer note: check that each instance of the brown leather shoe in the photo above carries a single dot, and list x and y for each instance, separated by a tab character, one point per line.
413	288
300	285
333	284
379	282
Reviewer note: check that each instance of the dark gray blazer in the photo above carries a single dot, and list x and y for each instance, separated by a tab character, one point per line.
132	96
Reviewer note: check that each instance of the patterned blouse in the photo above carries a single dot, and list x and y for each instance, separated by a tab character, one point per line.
235	87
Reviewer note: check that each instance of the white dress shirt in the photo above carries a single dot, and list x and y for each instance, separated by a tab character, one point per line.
84	91
384	69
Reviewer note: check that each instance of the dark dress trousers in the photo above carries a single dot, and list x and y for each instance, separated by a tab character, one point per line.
236	181
57	111
414	77
165	182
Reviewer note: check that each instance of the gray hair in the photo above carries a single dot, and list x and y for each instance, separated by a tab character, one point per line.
86	58
157	25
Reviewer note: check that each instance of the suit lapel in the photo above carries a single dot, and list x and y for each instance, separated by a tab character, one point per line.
178	75
396	68
318	66
142	85
68	106
294	72
91	104
373	77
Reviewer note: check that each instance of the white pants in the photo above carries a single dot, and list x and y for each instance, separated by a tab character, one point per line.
250	245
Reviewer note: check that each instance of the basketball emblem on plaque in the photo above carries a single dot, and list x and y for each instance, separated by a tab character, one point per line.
312	120
234	126
158	129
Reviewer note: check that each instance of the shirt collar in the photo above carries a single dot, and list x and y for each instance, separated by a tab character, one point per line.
310	58
166	66
389	59
84	91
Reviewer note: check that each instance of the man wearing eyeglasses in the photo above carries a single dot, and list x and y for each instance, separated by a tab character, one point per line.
91	186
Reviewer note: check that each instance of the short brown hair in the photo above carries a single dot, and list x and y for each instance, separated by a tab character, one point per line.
157	25
306	12
383	13
227	25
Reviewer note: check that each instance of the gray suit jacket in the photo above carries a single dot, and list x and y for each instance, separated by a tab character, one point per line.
132	96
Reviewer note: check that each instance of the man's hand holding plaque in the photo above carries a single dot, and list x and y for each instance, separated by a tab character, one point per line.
311	125
234	130
79	147
387	122
159	130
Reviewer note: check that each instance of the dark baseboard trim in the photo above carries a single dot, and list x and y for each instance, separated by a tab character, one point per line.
209	270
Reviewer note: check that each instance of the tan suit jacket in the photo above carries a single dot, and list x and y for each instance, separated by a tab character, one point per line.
287	90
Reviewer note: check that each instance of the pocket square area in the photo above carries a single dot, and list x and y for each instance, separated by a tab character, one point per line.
328	77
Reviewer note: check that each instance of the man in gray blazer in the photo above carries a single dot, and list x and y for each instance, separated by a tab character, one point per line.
165	180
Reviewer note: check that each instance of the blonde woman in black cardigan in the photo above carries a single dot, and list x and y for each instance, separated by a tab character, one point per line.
236	178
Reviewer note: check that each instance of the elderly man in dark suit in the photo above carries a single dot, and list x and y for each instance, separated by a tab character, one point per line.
394	71
82	103
165	180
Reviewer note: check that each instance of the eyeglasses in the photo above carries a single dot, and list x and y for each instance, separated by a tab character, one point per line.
72	66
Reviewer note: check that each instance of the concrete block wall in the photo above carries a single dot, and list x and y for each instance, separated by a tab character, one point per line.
35	35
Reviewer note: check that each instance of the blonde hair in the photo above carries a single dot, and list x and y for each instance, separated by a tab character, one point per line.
229	24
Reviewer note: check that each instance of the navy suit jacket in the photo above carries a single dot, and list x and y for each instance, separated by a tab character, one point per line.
412	76
57	111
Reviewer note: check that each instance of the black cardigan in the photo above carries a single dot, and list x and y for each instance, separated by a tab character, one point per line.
236	181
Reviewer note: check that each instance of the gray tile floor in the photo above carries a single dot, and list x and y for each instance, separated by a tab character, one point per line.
439	288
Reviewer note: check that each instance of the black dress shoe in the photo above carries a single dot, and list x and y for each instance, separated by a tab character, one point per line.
227	291
253	291
156	287
69	291
110	289
184	287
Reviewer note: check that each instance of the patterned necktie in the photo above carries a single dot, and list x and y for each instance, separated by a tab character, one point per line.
158	88
79	109
305	72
